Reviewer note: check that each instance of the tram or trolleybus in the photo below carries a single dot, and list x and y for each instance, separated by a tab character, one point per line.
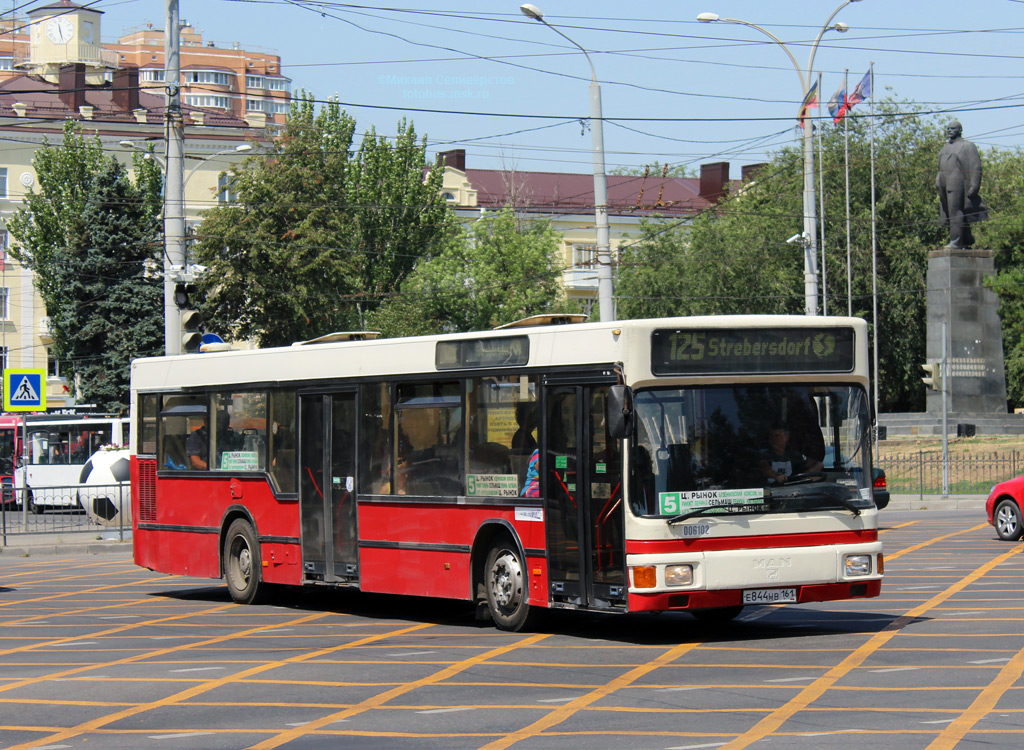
630	466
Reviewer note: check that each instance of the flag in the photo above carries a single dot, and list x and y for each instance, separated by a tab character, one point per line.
810	102
838	104
862	91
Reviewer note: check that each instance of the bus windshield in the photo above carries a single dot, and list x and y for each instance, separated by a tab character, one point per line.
751	449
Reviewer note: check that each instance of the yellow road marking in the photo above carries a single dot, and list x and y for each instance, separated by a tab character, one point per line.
898	526
76	592
770	723
382	698
561	713
916	547
109	631
101	721
982	705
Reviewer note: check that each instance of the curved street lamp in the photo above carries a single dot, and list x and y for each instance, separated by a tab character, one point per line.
605	294
810	234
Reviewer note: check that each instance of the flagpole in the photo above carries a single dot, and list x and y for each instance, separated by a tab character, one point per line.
874	244
821	213
846	163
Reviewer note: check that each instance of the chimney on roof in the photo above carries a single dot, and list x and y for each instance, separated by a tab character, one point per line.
748	172
125	88
456	159
71	86
713	179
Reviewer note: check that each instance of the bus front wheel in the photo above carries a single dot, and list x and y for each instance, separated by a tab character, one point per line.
506	584
242	563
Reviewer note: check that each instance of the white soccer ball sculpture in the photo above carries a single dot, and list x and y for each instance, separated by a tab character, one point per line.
106	491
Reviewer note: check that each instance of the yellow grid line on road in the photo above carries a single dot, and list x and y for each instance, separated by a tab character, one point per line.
770	724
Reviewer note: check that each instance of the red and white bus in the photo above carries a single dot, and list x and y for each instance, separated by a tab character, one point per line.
617	467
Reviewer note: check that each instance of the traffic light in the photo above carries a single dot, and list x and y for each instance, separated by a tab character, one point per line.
933	378
191	331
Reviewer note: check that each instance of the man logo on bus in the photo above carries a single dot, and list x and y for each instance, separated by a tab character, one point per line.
824	345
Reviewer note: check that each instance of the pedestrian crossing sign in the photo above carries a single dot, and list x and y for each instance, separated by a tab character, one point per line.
24	390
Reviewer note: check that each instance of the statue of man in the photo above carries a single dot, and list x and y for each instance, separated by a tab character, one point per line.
958	182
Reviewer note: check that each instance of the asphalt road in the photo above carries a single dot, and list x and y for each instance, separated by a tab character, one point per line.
95	653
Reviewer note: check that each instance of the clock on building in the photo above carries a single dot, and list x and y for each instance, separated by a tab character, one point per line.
60	30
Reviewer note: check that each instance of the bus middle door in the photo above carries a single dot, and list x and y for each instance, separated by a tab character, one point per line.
582	489
327	502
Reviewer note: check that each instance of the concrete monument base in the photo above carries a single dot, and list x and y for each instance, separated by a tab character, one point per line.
957	296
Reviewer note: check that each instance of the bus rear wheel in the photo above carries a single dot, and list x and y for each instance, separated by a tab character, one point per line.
241	560
506	584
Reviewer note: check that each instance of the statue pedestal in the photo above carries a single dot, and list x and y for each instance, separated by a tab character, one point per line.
957	296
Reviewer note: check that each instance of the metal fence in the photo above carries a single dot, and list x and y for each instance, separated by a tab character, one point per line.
91	509
920	473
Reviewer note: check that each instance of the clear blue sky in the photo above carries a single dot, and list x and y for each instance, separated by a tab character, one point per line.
674	90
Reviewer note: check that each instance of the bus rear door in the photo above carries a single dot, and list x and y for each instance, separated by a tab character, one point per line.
327	506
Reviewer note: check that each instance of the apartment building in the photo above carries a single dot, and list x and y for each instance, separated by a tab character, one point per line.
228	77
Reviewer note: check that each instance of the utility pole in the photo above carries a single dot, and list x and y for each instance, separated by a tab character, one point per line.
174	181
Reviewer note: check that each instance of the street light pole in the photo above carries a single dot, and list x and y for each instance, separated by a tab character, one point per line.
175	273
174	181
605	291
810	234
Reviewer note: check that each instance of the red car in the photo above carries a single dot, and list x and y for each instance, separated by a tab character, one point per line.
1003	509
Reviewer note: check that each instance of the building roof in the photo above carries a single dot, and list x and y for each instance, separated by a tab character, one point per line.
574	193
44	101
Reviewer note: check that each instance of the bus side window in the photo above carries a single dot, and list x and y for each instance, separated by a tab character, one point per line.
178	418
282	439
431	441
375	440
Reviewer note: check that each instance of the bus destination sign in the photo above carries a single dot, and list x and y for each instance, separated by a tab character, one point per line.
733	351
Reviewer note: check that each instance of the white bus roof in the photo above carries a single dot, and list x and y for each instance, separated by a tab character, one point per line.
622	341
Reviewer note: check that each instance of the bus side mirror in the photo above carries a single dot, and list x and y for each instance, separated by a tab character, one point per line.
619	417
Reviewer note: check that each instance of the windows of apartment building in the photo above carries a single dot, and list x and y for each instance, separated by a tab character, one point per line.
214	77
5	296
6	63
254	82
208	101
277	84
151	75
3	182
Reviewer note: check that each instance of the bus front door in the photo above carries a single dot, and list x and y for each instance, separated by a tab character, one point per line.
582	488
327	506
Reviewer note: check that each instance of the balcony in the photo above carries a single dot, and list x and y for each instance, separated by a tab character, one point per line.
92	55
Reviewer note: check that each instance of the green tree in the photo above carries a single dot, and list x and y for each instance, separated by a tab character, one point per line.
499	270
85	234
1003	191
734	257
321	232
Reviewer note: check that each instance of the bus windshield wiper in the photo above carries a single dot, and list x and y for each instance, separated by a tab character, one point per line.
750	508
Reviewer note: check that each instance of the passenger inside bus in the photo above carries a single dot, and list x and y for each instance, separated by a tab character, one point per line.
425	465
198	446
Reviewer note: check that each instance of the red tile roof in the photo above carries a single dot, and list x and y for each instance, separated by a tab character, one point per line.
557	192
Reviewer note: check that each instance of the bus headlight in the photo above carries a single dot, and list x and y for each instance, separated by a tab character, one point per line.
678	575
857	565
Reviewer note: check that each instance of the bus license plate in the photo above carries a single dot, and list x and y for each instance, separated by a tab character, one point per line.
769	596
